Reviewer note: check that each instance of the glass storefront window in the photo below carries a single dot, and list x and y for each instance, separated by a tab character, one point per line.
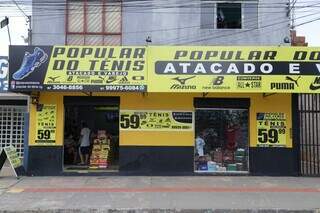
221	143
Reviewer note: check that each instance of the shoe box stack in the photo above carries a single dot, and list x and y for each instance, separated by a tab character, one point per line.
222	161
100	151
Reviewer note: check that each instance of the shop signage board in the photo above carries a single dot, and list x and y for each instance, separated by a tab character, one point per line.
11	154
4	68
234	69
77	68
156	120
165	69
271	129
46	125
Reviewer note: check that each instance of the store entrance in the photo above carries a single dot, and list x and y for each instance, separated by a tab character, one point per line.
221	143
91	138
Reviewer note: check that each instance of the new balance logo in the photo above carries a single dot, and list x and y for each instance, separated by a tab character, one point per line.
218	80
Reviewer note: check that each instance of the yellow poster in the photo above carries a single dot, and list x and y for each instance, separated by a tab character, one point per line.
147	120
233	69
46	125
272	129
13	157
99	68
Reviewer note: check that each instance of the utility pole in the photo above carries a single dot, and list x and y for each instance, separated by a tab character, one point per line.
29	30
9	34
292	15
28	22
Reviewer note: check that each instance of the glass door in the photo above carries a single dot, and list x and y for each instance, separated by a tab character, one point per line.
221	143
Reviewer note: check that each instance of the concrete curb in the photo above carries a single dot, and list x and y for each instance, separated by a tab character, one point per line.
161	211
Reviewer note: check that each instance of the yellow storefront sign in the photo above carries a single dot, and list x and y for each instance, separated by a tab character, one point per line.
271	129
98	68
148	120
46	125
233	69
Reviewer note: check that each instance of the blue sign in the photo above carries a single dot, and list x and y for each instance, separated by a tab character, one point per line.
4	68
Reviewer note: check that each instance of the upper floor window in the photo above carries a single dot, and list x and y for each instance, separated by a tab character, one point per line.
93	22
229	15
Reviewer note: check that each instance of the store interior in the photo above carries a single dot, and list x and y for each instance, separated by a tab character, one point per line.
221	143
103	122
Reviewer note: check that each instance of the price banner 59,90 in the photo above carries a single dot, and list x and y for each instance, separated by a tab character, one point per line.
46	125
271	129
154	120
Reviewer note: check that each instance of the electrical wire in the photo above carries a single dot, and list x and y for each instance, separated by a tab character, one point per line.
234	34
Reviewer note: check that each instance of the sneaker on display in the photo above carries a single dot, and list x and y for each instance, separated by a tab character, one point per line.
29	63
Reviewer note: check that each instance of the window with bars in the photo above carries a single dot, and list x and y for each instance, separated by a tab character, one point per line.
12	127
93	22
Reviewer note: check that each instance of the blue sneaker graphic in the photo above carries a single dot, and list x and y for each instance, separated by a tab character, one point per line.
30	63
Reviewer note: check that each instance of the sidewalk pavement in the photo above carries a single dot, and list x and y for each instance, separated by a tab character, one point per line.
159	194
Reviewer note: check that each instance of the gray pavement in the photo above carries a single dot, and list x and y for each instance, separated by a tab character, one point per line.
159	194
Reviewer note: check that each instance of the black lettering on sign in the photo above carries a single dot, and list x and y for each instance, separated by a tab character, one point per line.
129	121
233	68
58	65
182	117
86	51
265	136
58	51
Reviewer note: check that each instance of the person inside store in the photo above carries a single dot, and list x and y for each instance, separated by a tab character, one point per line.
201	163
70	149
84	144
200	143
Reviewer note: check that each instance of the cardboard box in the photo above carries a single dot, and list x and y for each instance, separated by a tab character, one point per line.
232	167
217	156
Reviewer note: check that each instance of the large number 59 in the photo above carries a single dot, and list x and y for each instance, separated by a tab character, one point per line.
43	134
132	121
270	136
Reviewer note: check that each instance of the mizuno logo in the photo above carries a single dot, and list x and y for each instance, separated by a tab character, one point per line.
53	79
316	84
182	81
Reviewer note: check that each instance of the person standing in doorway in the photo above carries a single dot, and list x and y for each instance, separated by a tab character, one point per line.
200	143
84	144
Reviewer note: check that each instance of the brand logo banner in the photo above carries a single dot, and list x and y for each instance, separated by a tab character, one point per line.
77	68
234	69
148	120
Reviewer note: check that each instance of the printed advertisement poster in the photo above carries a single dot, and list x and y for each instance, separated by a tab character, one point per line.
4	68
78	68
148	120
233	69
272	129
13	157
46	125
